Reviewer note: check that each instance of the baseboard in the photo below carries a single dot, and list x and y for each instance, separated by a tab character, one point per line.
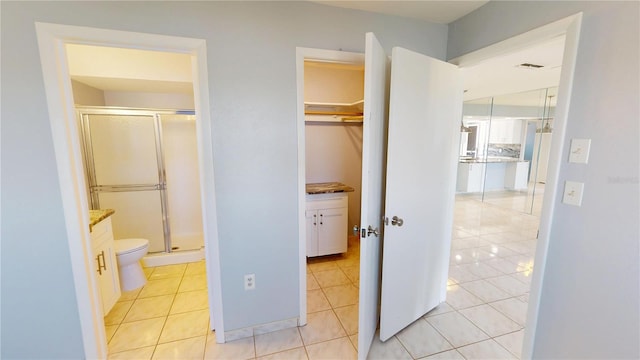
178	257
260	329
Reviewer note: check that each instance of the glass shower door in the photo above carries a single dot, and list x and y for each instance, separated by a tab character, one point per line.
180	153
126	174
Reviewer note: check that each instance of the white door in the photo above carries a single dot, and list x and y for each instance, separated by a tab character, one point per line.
373	154
425	109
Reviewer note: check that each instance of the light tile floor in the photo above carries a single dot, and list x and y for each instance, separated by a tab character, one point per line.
166	318
491	262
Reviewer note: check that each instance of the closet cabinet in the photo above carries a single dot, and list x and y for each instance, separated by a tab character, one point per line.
326	224
105	264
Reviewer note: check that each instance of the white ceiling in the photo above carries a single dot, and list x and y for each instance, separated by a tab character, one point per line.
441	12
112	69
501	75
130	70
497	76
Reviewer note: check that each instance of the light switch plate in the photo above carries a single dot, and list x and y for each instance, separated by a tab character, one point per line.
579	152
573	193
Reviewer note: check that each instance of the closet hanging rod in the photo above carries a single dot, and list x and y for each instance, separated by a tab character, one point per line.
314	103
357	118
336	120
342	113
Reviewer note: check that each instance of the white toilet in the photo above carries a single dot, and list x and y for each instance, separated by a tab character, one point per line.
128	253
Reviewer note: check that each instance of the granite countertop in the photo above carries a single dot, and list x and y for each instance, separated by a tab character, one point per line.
329	187
95	216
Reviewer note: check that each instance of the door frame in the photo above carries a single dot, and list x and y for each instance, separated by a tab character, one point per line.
569	27
329	56
62	117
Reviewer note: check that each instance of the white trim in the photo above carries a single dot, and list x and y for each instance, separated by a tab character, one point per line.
510	45
51	41
302	235
207	188
569	26
331	56
558	142
320	55
67	150
261	329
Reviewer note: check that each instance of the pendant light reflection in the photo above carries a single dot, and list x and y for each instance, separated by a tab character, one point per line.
546	129
464	129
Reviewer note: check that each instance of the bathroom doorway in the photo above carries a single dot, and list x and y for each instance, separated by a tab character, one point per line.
52	39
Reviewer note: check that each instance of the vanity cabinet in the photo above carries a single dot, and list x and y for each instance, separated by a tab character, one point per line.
105	264
326	223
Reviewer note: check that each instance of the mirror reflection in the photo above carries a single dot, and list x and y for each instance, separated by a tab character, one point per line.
504	149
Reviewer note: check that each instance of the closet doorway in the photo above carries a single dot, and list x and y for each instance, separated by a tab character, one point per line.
333	109
570	26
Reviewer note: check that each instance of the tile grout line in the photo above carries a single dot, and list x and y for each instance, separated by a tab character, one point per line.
168	313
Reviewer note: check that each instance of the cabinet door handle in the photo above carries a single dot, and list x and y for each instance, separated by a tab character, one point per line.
321	219
103	265
99	265
104	262
314	219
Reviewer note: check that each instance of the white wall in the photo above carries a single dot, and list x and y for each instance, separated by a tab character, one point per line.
251	54
590	299
149	100
94	62
333	83
334	151
86	95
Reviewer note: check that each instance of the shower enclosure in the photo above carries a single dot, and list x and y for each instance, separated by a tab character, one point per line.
144	165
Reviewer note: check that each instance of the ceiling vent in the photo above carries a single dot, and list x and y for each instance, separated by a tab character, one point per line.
530	66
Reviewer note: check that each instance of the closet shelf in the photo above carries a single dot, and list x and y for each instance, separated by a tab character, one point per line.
333	119
343	109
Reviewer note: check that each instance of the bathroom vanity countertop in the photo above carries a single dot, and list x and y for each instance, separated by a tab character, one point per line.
329	187
96	216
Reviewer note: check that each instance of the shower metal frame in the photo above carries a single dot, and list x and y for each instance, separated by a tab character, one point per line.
83	113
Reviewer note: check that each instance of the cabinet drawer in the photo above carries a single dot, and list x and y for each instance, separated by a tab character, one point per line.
327	201
101	230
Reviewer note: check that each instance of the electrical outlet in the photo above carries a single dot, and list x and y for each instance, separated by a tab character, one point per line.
250	282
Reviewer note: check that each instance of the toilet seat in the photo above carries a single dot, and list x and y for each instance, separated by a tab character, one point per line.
126	246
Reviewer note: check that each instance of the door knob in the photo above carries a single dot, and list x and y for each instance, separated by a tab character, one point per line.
397	221
371	230
356	230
